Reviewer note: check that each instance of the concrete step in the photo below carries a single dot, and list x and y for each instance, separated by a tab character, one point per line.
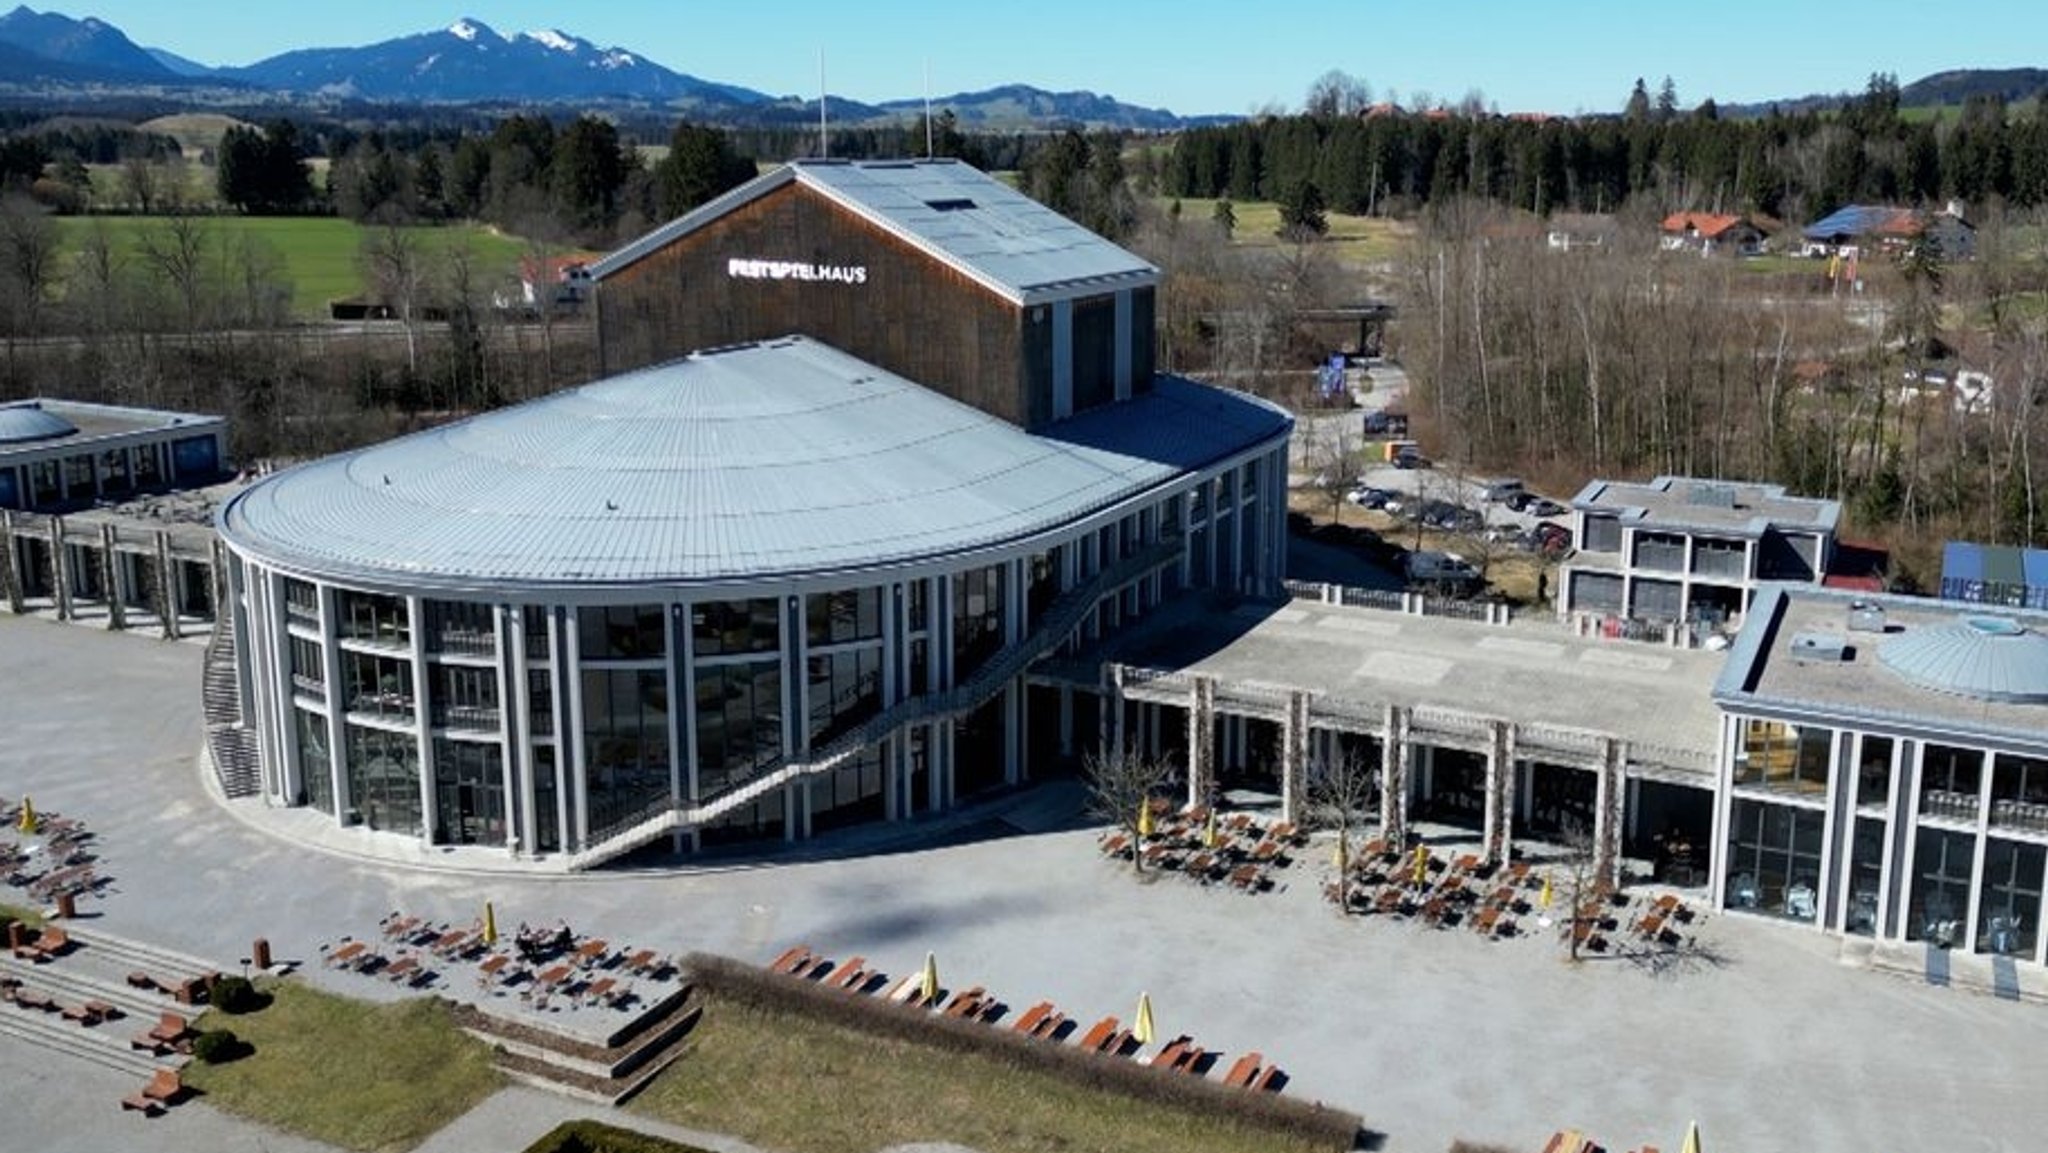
128	955
70	983
105	1044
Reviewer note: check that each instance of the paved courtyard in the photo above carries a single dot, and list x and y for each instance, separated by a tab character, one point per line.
1429	1035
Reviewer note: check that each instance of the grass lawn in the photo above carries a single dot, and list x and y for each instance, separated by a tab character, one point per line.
1356	241
349	1073
27	916
791	1083
320	253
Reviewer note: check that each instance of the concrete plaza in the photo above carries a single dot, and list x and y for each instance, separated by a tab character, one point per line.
1429	1035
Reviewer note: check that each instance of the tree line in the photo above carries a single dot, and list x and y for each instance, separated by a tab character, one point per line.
1364	158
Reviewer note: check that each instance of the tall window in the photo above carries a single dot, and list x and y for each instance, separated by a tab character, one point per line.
720	628
625	741
845	689
842	616
977	619
316	760
1949	777
378	686
2019	792
465	697
1778	756
374	618
1874	772
622	633
1866	870
1940	897
739	721
309	671
384	778
1774	858
462	627
547	817
469	793
301	599
2010	917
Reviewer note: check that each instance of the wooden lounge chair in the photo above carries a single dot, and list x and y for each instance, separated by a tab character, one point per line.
848	972
1270	1080
142	1103
165	1087
641	963
1191	1061
1097	1037
1246	1068
601	991
1172	1053
1033	1018
87	1015
53	942
789	960
967	1002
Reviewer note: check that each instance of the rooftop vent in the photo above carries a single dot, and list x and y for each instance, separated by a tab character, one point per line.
1866	617
1820	648
954	204
1712	496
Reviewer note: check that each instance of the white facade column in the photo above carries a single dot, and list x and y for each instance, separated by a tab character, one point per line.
337	701
519	735
416	617
569	738
1717	840
1979	844
511	725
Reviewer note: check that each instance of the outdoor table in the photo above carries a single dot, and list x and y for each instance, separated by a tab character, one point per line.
346	955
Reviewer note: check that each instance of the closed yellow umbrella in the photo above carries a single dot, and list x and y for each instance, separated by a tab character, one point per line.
1543	898
928	987
28	815
490	924
1209	830
1144	818
1142	1031
1421	863
1692	1139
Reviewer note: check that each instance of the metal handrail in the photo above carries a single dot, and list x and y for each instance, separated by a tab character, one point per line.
1065	614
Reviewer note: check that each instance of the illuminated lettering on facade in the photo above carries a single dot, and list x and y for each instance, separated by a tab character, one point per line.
795	270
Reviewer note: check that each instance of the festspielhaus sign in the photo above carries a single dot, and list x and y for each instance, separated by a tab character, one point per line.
795	270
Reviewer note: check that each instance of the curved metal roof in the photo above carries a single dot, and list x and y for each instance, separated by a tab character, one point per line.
25	422
781	458
1989	658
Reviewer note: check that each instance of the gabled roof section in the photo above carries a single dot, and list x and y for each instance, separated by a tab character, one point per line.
1866	220
1707	224
989	232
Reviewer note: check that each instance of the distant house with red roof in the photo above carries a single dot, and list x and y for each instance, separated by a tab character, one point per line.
1708	233
559	281
1883	228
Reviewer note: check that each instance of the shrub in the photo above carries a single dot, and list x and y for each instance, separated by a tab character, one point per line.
597	1137
237	995
218	1046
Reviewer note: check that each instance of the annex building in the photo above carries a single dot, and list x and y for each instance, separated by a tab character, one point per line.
879	437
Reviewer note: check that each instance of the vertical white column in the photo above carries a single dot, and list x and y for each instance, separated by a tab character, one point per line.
416	617
519	732
569	750
1979	846
337	700
512	730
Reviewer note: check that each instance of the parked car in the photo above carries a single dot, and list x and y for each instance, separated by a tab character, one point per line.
1446	570
1367	496
1502	491
1543	506
1410	458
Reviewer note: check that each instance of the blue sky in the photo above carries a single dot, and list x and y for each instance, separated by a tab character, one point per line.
1195	55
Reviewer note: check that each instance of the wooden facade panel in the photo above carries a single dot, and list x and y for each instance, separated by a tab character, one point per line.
903	310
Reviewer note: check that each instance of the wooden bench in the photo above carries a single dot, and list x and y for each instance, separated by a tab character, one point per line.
601	991
967	1002
90	1013
788	962
1244	1071
1270	1080
1173	1053
641	963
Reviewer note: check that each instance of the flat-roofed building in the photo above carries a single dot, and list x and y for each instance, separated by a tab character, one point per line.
1684	550
58	455
1884	769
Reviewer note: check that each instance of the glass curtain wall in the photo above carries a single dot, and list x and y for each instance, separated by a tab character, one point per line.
1774	854
1949	777
2009	919
625	742
1940	896
469	793
384	778
316	760
1866	873
977	619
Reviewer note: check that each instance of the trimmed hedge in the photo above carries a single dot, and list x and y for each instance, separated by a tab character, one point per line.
723	977
596	1137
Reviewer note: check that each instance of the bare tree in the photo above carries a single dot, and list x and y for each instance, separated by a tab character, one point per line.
1333	454
28	270
1120	786
174	251
392	262
1583	889
1341	791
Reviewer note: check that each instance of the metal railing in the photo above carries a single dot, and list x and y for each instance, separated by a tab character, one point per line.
631	830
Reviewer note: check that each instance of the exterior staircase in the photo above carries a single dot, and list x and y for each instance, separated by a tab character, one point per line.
95	969
1062	617
230	742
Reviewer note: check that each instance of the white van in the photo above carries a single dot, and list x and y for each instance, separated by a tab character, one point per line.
1501	490
1442	568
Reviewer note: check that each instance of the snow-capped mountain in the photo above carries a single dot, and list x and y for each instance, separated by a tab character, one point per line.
471	61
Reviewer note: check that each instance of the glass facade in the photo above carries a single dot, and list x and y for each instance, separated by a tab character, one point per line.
384	778
2019	793
739	722
977	619
2009	915
1873	772
1940	895
316	760
1949	779
1784	758
622	633
1774	857
469	793
839	617
721	628
625	741
1866	876
845	688
374	619
377	685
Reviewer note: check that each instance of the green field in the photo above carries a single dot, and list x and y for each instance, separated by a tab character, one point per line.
320	254
1356	241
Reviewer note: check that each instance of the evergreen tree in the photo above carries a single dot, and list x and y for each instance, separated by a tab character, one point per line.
1302	216
1667	100
1638	106
700	164
1225	217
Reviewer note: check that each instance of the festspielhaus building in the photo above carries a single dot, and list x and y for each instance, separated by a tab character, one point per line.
873	439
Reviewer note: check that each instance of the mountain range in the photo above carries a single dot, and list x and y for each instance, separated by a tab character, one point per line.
51	55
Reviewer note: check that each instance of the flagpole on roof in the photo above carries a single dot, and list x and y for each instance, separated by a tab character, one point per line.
927	108
824	148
